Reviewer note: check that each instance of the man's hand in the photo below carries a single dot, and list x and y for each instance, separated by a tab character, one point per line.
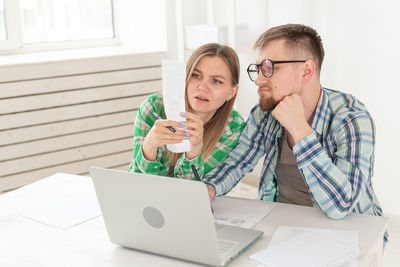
290	113
211	192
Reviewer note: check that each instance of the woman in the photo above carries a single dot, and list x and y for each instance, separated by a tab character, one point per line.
212	126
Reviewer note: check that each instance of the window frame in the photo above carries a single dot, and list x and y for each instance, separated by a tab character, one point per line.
14	43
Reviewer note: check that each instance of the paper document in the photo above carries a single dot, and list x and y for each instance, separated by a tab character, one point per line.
309	247
348	238
240	212
173	83
61	200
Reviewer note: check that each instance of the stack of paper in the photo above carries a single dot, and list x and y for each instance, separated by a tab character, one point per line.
309	248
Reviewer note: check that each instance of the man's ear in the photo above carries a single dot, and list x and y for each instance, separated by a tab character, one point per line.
308	70
234	92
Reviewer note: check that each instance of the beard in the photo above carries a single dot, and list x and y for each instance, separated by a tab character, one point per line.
267	103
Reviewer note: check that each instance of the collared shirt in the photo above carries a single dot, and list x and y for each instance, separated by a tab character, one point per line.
336	160
182	169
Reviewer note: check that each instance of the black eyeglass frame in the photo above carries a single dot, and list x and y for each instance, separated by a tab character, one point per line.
259	66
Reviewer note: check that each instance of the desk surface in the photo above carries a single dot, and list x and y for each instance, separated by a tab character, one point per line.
25	242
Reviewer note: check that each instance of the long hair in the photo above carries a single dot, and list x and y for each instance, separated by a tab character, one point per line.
215	126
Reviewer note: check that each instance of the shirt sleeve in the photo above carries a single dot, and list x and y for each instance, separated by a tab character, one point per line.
143	123
242	159
337	185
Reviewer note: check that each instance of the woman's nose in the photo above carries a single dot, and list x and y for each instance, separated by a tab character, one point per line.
203	85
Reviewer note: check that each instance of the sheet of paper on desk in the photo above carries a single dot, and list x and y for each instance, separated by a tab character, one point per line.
348	238
61	200
240	212
321	247
173	83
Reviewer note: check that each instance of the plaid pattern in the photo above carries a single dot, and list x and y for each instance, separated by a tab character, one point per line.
161	166
336	160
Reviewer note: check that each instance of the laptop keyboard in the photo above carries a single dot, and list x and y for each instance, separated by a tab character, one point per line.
224	245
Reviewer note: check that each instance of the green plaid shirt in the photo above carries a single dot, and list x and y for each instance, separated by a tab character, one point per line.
182	169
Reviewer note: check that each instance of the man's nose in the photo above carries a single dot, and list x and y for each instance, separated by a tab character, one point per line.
261	79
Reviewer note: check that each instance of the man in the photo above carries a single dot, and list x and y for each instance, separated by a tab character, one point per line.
317	143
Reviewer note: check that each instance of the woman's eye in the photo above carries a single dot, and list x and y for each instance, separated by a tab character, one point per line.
195	75
218	81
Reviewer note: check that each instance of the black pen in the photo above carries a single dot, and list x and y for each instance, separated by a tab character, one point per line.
159	118
196	174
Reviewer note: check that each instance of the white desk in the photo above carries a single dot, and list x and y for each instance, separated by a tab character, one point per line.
24	242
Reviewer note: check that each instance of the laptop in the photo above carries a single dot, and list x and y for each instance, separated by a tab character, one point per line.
166	216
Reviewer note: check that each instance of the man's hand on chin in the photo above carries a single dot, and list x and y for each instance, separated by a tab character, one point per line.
290	113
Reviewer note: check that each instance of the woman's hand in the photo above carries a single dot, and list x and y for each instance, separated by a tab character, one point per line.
194	126
160	135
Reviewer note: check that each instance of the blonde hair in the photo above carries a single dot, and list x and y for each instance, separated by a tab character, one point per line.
215	126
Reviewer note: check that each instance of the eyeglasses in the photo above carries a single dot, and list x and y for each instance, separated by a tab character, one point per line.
267	68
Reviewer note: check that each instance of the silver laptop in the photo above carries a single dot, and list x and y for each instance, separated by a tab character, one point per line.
166	216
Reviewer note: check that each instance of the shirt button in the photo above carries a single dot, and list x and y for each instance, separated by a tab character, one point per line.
179	173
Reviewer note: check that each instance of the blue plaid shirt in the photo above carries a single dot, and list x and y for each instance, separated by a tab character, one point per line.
336	160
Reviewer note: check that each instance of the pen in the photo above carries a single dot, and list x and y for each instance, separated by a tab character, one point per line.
198	179
195	173
159	118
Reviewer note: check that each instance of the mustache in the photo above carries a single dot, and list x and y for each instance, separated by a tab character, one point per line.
264	88
259	91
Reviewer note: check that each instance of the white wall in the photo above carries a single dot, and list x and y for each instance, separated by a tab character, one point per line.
361	40
141	24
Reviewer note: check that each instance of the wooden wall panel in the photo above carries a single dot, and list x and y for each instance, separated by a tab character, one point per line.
78	167
40	86
22	72
63	142
25	134
69	112
68	116
10	167
50	100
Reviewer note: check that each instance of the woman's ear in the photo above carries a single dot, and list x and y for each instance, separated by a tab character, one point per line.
234	92
308	70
